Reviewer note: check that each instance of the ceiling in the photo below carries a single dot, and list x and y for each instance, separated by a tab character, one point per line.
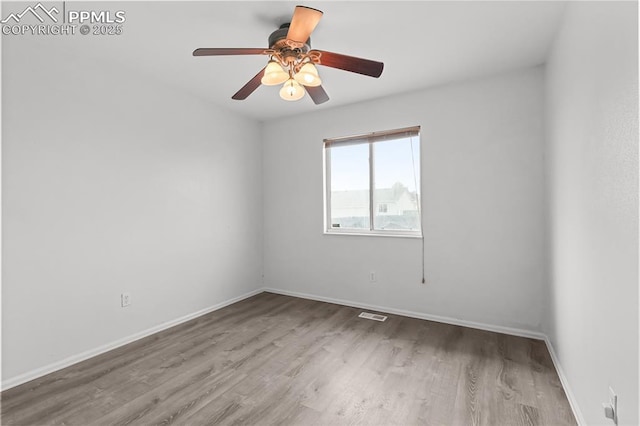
422	44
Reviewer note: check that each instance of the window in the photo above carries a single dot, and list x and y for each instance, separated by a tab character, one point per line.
372	183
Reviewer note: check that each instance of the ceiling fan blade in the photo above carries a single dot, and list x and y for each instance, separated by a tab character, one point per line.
250	87
317	94
350	63
227	51
303	23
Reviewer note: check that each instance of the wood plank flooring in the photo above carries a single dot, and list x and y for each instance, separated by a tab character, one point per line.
275	359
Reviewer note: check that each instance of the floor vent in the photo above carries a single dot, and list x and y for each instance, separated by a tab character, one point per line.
374	317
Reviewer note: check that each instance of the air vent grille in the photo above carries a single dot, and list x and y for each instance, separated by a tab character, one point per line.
371	316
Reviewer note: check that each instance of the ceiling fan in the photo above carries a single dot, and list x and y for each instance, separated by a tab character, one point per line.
292	61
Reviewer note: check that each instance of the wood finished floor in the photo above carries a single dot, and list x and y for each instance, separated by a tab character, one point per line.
275	359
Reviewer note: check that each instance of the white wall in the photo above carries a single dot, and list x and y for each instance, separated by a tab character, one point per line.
592	115
483	204
114	183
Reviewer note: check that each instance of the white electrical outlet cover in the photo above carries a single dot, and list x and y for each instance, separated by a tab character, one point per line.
125	300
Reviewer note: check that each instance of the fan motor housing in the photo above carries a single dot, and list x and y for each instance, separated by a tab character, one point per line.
277	39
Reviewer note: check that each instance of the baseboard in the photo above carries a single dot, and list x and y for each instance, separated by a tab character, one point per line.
565	384
74	359
419	315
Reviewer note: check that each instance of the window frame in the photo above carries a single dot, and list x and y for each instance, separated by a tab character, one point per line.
370	139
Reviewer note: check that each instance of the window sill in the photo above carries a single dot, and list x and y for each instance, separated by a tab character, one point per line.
375	234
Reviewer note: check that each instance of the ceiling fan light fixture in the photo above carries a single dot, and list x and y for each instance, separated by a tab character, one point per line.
308	75
274	74
292	62
291	91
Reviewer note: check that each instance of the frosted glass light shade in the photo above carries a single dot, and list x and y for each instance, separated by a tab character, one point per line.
308	75
274	74
291	91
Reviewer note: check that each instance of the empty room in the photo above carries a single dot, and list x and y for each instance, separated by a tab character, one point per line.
320	213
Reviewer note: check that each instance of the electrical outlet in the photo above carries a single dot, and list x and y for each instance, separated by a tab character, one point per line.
611	408
125	300
373	277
